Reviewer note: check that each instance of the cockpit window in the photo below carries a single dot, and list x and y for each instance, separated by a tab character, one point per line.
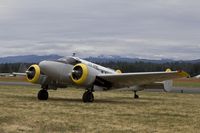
69	60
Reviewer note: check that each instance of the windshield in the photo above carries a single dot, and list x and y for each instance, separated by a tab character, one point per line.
69	60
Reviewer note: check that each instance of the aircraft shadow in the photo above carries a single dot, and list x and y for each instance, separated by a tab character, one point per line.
102	101
80	100
122	100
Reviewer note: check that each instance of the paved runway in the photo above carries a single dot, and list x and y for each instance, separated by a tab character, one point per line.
186	90
178	90
16	83
175	89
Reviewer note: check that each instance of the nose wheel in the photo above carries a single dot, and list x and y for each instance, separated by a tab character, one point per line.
88	97
43	94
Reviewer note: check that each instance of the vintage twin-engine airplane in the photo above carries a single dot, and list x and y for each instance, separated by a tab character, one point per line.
73	71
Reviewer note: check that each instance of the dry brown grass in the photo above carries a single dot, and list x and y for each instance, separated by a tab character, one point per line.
15	79
187	82
112	111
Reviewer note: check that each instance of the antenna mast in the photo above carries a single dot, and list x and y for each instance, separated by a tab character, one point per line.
74	54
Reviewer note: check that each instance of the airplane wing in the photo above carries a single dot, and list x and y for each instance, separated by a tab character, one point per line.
141	78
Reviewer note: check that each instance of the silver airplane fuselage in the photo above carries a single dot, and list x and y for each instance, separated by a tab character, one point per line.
73	71
60	71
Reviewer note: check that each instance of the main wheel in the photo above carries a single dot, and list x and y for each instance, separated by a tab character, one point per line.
88	97
136	96
43	95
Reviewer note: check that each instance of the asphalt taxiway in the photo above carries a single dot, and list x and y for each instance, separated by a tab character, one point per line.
16	83
175	89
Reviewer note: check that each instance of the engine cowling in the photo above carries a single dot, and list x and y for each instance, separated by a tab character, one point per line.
84	75
33	74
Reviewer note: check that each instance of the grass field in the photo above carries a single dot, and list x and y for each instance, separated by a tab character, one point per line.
187	82
13	79
112	111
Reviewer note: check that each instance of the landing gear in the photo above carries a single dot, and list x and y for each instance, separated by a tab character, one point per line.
43	94
88	97
135	95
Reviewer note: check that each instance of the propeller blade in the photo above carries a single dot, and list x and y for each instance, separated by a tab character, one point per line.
30	74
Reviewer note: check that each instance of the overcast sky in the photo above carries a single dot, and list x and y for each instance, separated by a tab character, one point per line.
138	28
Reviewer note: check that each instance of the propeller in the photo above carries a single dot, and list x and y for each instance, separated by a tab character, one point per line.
30	73
77	73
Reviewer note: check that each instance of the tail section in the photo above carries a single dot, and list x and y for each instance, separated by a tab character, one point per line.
165	85
168	85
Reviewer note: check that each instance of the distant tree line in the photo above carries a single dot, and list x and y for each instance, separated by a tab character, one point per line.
13	67
192	69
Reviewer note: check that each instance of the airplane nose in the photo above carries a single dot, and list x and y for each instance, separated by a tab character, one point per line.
43	65
55	70
47	67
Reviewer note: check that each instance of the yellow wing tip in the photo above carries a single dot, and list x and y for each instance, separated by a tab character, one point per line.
181	73
184	74
168	70
118	71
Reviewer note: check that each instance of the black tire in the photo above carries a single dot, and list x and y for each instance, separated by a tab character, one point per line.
43	95
136	96
88	97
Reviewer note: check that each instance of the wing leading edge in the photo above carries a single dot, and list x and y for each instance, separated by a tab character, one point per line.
141	78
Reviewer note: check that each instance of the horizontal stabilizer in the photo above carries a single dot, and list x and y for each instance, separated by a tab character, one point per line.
165	85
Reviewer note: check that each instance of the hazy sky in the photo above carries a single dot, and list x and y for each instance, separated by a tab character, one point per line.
140	28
